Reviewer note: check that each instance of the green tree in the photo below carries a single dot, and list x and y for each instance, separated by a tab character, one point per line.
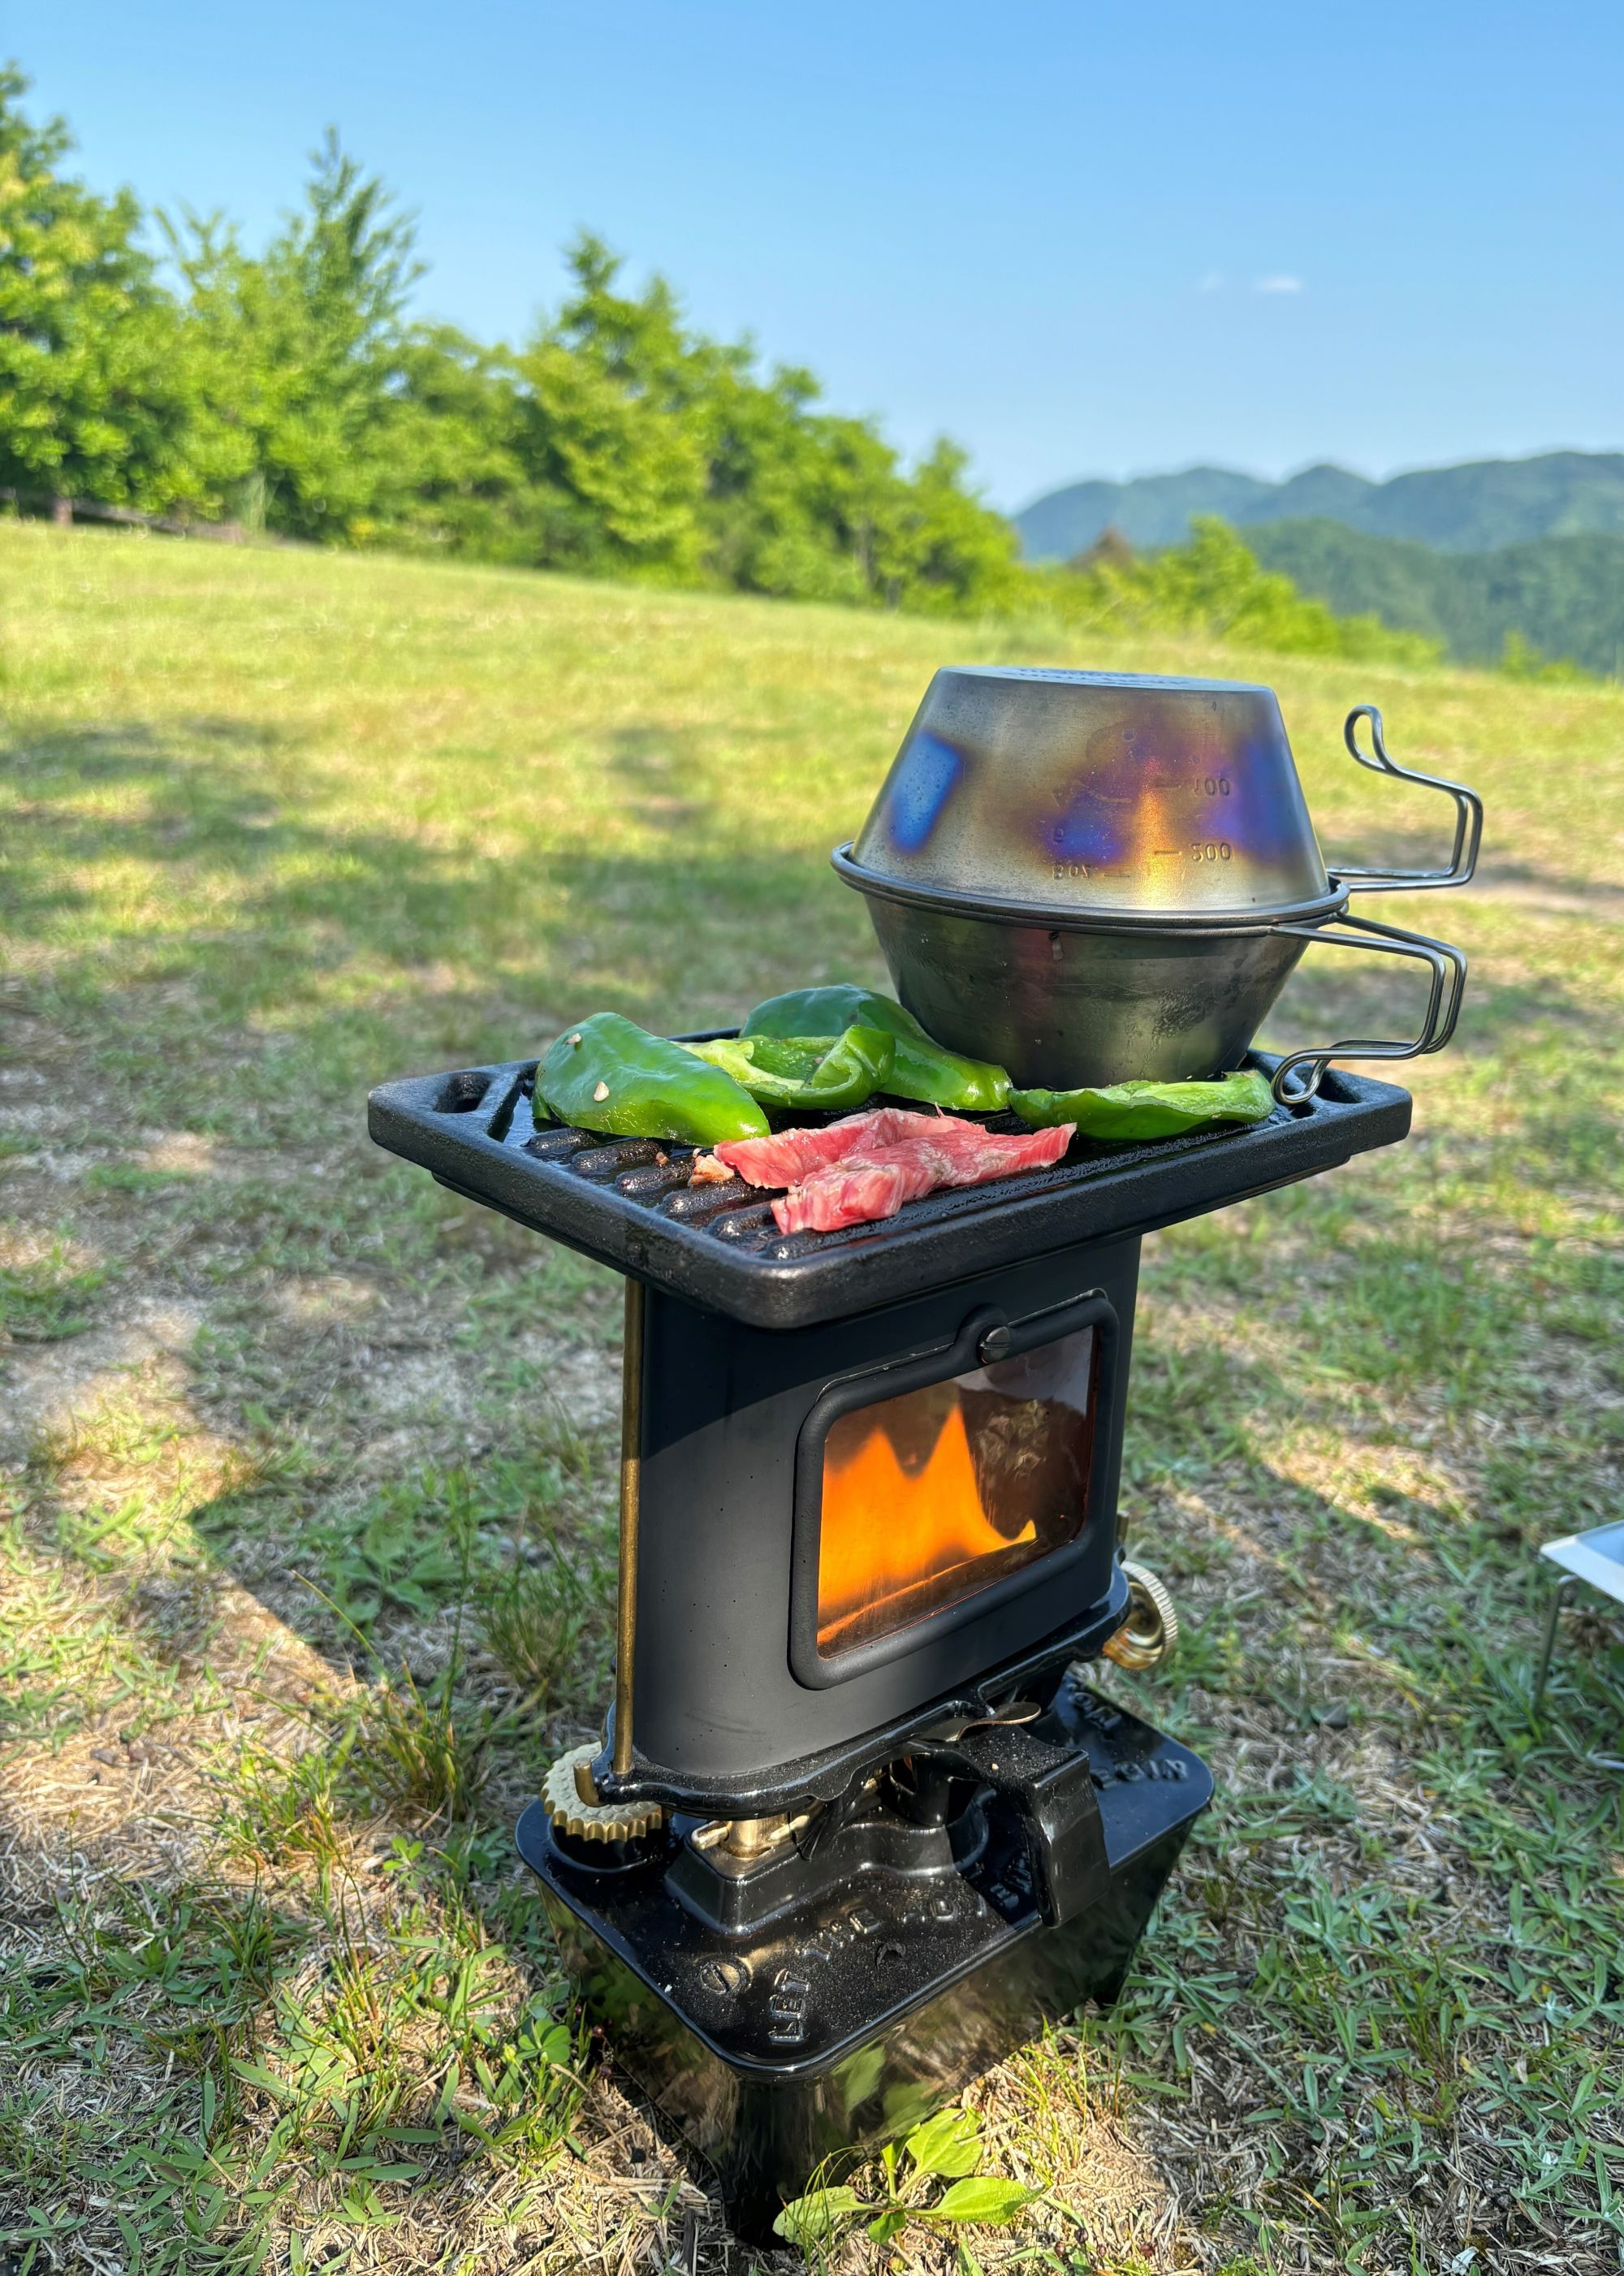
652	449
298	356
950	553
817	507
1216	586
93	401
608	436
456	478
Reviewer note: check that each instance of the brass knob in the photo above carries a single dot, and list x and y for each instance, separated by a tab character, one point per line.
1150	1634
570	1800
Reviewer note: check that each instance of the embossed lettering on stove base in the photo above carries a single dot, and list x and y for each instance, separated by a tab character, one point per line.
787	2009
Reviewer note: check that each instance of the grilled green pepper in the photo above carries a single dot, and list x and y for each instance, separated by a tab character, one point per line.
608	1073
1149	1110
805	1071
920	1068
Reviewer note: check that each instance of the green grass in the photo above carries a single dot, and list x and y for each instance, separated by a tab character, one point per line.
45	1294
308	1469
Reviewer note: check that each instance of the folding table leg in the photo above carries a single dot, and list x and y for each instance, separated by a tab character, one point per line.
1559	1597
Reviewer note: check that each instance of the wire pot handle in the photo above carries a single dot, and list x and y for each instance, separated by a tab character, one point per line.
1300	1074
1468	817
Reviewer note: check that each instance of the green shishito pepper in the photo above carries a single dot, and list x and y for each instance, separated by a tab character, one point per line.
920	1068
1149	1110
805	1071
608	1073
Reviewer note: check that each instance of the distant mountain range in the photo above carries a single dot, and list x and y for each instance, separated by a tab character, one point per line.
1471	508
1469	553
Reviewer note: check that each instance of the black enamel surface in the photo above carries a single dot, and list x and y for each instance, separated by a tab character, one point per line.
629	1203
849	2018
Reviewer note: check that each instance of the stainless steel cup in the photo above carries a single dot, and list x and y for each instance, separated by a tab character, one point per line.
1093	877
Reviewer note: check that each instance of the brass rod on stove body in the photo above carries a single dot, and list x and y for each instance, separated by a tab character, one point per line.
631	1510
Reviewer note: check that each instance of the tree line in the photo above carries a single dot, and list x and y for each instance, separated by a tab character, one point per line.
152	364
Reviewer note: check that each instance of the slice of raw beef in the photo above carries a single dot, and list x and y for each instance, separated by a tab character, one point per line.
873	1181
858	1191
788	1156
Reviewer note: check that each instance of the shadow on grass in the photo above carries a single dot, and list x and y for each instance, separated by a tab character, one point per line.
221	905
1417	852
290	2011
1336	991
197	2058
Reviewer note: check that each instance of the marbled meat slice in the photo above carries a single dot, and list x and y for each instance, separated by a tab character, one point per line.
873	1183
788	1156
858	1191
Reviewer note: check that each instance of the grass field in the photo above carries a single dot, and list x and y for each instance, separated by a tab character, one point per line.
308	1467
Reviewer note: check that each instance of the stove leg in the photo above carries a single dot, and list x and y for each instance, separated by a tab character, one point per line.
1559	1597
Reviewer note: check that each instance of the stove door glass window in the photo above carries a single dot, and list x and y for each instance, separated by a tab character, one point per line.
932	1496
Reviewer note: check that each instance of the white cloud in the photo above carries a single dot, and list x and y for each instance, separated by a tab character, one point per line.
1276	285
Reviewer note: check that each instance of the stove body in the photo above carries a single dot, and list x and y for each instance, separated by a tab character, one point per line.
875	1825
793	1601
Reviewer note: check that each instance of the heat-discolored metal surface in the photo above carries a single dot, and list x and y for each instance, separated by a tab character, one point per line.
1097	794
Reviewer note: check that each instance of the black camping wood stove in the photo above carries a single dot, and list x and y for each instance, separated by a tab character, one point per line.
859	1823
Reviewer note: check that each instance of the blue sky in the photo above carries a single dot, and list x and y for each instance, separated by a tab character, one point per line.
1082	240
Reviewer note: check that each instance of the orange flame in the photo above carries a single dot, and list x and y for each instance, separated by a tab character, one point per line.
898	1540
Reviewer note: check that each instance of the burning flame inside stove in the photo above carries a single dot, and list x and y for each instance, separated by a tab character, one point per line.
930	1497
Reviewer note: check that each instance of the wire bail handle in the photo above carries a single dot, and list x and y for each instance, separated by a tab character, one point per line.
1300	1074
1468	817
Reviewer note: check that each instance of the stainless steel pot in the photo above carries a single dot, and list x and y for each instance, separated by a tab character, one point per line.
1091	876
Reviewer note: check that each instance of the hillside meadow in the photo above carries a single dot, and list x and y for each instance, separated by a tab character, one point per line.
308	1467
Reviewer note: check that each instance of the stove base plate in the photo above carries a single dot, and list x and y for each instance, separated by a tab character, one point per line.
845	2022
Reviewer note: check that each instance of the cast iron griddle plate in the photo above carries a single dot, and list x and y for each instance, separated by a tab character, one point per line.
628	1202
